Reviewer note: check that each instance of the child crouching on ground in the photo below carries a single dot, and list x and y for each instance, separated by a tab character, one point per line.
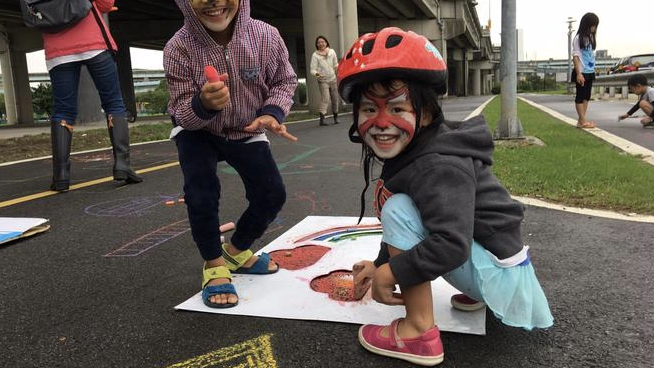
638	84
436	193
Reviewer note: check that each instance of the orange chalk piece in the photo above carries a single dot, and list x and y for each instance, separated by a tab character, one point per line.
169	203
227	227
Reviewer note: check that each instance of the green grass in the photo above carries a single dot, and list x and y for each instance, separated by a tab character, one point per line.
26	147
573	168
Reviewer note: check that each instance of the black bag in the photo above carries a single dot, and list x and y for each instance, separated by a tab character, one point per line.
52	16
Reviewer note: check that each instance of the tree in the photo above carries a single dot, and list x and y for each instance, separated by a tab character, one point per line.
42	99
156	100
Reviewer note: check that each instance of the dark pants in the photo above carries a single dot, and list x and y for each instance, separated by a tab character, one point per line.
199	154
584	92
65	85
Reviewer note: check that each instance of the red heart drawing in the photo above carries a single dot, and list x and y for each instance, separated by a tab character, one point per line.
338	285
300	257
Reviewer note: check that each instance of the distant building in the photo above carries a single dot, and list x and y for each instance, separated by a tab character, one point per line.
602	54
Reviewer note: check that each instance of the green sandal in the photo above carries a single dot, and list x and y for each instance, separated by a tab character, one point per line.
235	262
212	273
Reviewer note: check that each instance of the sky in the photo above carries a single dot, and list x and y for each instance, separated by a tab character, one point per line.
624	27
543	23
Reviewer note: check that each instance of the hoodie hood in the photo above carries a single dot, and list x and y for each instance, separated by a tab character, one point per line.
195	27
469	138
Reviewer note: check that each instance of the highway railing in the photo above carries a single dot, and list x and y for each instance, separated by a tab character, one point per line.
610	82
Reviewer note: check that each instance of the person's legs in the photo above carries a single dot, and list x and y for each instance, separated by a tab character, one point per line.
102	69
65	82
335	100
418	335
581	102
264	190
324	101
648	109
198	158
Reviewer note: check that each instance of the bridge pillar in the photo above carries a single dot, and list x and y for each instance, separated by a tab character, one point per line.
124	63
323	18
476	81
89	108
611	92
15	78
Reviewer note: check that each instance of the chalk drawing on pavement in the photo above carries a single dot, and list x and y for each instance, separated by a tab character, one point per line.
254	353
151	240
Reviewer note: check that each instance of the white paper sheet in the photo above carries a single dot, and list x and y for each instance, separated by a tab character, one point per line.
287	294
14	227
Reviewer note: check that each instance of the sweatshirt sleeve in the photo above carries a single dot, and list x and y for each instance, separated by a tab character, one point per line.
445	197
184	106
282	81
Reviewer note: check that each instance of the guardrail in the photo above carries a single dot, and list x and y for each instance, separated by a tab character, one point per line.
618	80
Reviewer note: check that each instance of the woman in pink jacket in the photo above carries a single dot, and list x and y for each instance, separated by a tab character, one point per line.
65	53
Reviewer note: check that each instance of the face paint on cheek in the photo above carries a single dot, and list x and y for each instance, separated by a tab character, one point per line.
405	121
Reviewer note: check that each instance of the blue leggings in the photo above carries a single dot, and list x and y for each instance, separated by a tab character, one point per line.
403	229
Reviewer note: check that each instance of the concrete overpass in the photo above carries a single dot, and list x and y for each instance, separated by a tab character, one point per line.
452	25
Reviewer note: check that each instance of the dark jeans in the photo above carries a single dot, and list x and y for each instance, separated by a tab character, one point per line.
199	154
65	86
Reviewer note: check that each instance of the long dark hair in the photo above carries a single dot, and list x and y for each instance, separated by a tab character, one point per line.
584	34
424	98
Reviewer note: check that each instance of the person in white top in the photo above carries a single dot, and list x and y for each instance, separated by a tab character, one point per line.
583	57
323	66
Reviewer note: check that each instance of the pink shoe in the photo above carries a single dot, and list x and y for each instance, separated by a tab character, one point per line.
426	349
465	303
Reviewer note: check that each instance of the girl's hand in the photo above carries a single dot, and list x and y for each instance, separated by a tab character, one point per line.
270	123
580	79
383	286
363	272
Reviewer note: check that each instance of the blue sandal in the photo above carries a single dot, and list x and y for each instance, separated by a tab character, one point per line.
212	273
235	262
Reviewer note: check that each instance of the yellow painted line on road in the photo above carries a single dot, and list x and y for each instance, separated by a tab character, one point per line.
48	193
254	353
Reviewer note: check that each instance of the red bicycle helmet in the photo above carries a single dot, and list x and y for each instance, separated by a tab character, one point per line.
391	53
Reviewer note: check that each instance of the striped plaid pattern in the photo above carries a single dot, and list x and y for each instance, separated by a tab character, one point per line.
261	79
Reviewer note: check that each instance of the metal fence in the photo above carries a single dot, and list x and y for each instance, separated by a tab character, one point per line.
609	83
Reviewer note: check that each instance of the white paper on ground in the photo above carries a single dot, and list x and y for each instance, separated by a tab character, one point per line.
14	227
287	294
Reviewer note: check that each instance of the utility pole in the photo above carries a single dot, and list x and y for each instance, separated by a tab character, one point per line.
509	127
570	21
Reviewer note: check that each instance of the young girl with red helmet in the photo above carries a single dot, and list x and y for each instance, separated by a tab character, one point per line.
442	211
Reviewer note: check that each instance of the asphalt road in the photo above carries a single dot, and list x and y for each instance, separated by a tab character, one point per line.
64	303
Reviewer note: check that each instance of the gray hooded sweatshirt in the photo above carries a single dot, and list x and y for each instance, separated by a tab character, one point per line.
446	172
